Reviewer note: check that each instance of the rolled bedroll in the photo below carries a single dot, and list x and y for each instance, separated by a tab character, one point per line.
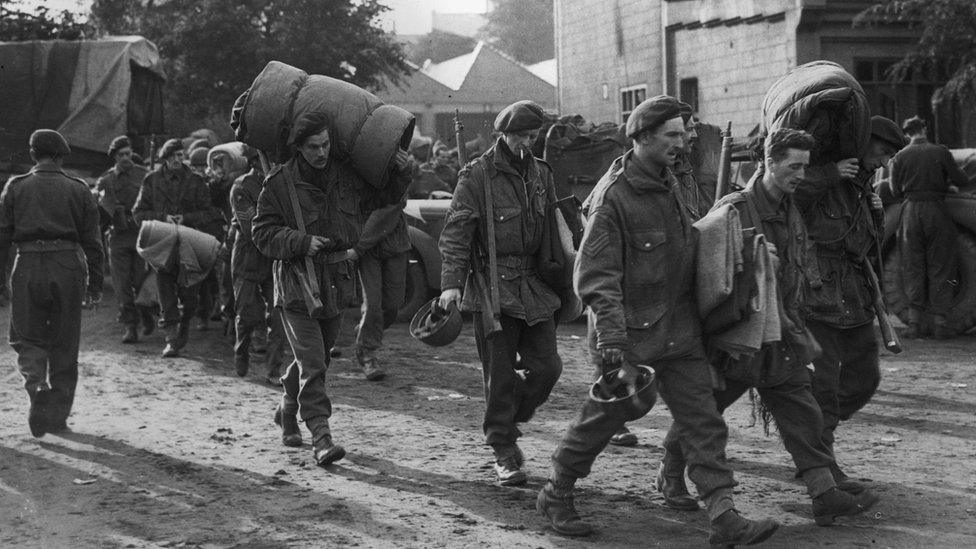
364	129
824	100
165	245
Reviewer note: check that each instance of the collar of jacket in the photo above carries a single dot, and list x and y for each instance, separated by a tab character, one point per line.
501	163
46	166
919	140
766	205
642	177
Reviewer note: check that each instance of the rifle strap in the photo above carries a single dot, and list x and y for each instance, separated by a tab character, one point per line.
490	237
300	225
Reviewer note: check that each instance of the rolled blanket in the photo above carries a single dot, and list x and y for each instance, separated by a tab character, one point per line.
166	245
719	256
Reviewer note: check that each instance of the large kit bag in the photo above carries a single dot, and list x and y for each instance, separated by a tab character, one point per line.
365	130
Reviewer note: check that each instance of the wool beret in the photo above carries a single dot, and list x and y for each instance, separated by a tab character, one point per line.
651	113
199	156
49	143
885	129
169	147
520	116
119	143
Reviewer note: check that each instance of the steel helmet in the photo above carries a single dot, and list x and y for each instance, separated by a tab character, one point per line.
612	396
435	326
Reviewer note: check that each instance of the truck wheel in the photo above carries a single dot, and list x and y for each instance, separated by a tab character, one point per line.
962	316
417	293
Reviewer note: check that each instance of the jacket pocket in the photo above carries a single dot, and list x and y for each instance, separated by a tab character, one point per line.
508	229
646	261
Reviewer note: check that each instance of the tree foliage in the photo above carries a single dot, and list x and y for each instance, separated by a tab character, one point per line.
213	49
947	45
18	25
522	29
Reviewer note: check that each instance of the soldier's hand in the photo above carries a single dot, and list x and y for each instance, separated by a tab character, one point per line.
953	189
448	296
401	160
611	357
875	201
628	375
317	244
848	168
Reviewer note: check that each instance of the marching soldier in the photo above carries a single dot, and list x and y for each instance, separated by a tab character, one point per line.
520	188
117	193
53	221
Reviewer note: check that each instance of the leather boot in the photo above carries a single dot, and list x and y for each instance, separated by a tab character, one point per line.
241	364
836	503
731	529
845	482
38	417
327	452
555	503
624	437
131	334
673	487
291	435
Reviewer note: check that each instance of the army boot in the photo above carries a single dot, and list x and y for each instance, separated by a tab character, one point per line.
836	503
671	483
131	334
845	482
326	451
291	435
555	503
729	528
241	364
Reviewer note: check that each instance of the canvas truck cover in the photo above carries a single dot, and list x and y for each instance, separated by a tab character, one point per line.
580	152
822	99
89	90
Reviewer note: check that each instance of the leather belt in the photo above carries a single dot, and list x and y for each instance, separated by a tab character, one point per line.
41	246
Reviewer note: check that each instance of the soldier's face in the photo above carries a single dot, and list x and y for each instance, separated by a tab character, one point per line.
663	145
315	150
879	153
123	158
787	172
521	142
691	136
174	160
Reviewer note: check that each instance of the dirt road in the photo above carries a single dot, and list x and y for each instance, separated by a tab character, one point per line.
182	453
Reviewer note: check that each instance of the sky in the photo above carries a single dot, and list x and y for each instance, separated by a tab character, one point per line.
405	17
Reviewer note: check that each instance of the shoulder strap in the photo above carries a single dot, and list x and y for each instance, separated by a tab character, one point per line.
490	237
313	280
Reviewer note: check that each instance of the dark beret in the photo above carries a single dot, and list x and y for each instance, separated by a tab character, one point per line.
199	156
49	143
913	125
885	129
169	147
686	111
651	113
119	143
520	116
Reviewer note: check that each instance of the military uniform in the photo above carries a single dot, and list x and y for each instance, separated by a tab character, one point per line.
520	201
922	173
53	221
335	202
383	251
251	275
168	192
118	190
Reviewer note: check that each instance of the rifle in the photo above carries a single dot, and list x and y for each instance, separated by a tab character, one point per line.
487	289
880	310
724	164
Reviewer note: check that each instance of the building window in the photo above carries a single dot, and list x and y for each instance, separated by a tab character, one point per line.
688	92
630	97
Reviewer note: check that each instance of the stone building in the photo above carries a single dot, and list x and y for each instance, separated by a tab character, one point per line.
722	55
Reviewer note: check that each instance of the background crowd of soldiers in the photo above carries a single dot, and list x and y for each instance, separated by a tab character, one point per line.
314	221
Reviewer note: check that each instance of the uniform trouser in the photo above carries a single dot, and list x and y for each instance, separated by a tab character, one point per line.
177	303
797	417
128	272
304	380
927	237
209	291
510	399
685	386
45	322
383	281
254	308
846	375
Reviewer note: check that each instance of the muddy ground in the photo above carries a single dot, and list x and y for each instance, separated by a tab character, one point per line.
182	453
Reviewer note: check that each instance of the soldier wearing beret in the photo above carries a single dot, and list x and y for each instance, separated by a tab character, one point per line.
174	194
520	188
53	220
844	218
634	271
923	173
118	189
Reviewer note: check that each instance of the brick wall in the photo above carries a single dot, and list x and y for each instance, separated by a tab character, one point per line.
588	58
735	66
